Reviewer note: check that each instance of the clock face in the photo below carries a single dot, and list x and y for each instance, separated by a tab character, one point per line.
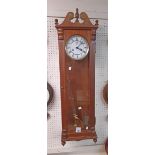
77	47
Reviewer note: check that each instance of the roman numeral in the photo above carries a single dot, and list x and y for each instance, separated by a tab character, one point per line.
82	42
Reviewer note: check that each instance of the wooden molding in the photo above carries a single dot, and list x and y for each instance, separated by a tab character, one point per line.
68	23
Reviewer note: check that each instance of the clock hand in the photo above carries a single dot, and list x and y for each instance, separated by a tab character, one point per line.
79	45
79	48
81	42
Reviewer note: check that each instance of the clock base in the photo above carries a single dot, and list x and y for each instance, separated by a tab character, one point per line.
78	136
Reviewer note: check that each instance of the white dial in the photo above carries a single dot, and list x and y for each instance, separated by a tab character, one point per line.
77	47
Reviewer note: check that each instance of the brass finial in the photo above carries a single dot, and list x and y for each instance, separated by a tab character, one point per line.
96	22
56	21
77	15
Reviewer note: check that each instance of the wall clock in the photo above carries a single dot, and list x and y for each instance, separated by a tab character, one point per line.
49	95
77	43
105	96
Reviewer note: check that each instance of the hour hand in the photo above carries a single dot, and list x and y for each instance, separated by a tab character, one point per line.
79	48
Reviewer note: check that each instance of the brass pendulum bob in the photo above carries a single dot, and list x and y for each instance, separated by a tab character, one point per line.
75	119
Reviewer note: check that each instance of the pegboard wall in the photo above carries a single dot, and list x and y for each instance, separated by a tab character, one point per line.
53	75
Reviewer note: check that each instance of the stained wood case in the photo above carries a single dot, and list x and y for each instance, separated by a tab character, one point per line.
77	79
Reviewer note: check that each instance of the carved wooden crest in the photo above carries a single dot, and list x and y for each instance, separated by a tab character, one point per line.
68	22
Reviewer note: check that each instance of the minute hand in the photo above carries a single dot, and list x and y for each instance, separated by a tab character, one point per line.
80	44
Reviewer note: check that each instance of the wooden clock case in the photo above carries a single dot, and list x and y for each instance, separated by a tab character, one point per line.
77	83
